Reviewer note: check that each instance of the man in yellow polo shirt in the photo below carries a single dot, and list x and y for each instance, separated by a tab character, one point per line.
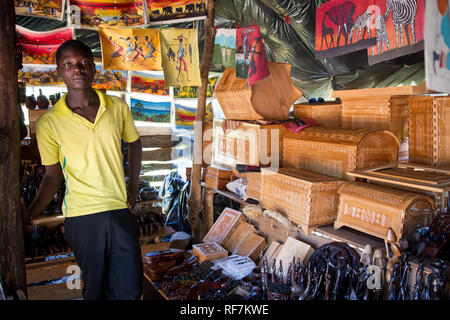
79	140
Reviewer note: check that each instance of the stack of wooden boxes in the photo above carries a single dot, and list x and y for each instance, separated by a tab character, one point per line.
309	183
230	234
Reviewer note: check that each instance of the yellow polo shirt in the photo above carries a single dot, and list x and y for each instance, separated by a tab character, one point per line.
90	153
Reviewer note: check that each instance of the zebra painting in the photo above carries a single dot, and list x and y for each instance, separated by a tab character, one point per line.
403	14
382	35
362	22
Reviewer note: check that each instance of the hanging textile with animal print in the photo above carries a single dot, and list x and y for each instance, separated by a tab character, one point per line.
344	26
399	29
169	11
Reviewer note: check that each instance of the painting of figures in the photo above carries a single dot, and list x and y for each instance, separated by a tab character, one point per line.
40	47
90	14
224	49
52	9
344	26
150	111
180	58
150	84
114	80
437	45
37	75
168	11
130	49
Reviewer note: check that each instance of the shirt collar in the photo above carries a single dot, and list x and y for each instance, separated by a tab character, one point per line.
62	110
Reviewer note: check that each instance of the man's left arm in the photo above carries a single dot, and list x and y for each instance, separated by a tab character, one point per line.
134	168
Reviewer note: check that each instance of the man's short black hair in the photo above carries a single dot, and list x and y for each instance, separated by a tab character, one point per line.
73	44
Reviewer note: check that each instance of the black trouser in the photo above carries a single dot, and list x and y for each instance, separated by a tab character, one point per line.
106	248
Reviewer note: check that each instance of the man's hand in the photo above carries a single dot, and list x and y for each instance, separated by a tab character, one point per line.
131	199
134	167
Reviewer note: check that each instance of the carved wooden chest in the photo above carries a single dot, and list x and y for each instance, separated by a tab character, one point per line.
372	209
335	151
307	198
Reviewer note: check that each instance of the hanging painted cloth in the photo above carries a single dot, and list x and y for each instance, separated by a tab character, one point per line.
224	49
52	9
179	50
150	111
437	45
251	61
184	117
40	47
399	29
89	14
130	49
163	11
344	26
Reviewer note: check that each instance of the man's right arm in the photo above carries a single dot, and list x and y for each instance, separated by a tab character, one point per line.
49	186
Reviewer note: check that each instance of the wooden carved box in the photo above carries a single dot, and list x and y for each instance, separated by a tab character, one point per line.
307	198
249	144
372	209
335	151
377	108
328	114
270	99
221	230
209	251
429	133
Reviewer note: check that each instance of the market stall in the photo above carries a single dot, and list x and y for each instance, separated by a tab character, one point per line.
272	168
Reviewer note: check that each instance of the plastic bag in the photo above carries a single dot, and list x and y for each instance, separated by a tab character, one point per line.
174	194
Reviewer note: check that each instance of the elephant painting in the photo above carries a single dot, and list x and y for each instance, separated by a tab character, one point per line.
342	16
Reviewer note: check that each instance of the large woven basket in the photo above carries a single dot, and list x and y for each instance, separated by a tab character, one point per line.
270	98
429	130
335	151
304	197
372	209
250	144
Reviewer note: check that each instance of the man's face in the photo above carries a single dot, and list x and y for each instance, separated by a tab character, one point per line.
76	68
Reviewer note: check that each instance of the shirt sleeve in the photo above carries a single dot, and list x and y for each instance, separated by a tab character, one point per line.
47	145
129	133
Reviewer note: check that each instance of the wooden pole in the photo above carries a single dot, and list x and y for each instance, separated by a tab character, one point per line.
195	194
12	253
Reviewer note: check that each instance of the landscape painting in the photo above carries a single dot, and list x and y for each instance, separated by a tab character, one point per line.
168	11
90	14
40	76
150	111
192	92
114	80
224	49
52	9
150	84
